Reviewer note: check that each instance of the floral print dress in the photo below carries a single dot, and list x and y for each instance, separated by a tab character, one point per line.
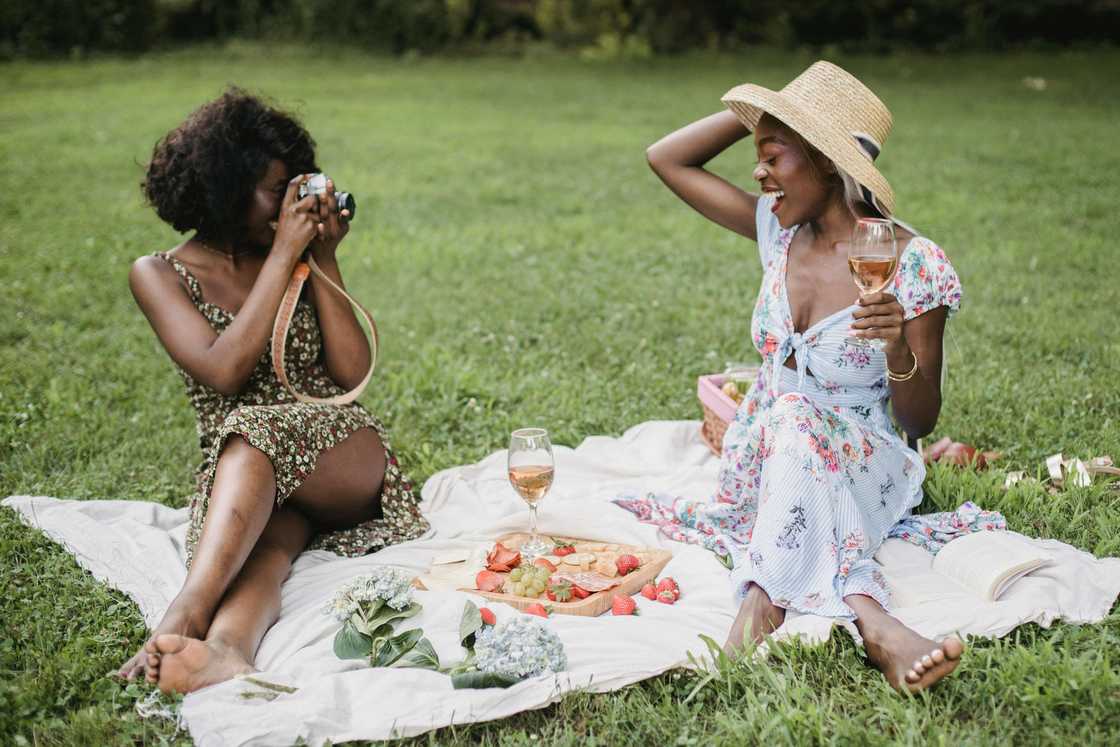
813	475
292	434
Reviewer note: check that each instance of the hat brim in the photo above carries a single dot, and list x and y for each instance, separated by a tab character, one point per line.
750	101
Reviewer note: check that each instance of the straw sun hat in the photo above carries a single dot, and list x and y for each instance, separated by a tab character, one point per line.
835	113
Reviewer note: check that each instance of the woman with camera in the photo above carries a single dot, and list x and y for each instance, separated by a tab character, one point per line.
278	475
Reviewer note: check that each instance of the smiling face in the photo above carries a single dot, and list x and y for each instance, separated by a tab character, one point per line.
264	204
803	180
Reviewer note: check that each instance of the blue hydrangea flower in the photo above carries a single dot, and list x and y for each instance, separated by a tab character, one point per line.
385	584
520	647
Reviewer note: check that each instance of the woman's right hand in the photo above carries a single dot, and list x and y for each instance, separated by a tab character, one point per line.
298	222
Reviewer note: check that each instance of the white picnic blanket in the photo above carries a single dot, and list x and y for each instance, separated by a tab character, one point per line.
137	547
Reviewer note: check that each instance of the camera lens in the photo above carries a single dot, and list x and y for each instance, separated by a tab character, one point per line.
346	202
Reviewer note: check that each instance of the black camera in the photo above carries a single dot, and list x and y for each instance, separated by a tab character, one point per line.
316	184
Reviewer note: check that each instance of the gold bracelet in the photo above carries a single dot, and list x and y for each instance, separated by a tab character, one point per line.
904	376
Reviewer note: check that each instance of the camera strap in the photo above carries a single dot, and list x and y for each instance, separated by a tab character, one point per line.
284	321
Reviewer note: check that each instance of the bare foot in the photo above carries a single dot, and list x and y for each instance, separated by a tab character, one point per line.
909	661
188	664
757	614
178	619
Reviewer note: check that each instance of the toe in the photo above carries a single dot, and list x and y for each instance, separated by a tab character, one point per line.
912	676
927	661
953	648
917	666
937	655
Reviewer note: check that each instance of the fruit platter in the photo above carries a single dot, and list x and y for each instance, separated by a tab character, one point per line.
578	577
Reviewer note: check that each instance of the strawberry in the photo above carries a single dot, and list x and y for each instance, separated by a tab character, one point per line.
649	591
623	605
626	564
579	592
668	584
488	616
666	597
558	591
538	609
488	581
546	564
563	548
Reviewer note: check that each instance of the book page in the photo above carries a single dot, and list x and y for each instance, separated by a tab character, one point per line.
988	562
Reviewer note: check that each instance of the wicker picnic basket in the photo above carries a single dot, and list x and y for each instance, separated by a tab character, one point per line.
718	407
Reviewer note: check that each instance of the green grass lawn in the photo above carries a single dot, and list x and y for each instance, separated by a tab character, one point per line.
526	267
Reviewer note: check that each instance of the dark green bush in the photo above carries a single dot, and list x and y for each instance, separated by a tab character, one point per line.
38	28
53	27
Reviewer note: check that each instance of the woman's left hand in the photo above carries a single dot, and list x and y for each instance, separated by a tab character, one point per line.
880	317
332	228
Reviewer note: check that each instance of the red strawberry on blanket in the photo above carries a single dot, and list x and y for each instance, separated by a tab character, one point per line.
623	605
649	591
538	609
488	581
488	616
563	548
627	564
666	597
501	559
558	591
579	592
668	584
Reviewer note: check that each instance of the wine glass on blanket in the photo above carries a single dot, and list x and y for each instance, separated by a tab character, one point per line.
531	468
872	260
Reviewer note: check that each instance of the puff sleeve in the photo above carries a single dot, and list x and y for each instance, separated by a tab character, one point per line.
926	279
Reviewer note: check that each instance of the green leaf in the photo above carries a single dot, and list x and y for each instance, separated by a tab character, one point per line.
389	615
476	680
395	647
349	643
422	656
725	560
470	624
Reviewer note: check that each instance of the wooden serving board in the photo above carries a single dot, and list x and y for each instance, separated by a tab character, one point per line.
599	602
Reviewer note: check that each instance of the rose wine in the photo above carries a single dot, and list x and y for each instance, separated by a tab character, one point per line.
871	273
531	481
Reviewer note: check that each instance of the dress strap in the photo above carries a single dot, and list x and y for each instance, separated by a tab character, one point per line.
194	290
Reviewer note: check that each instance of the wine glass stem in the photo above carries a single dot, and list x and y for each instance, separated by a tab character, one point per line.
533	524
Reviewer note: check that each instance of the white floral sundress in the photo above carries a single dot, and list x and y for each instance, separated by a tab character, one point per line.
813	475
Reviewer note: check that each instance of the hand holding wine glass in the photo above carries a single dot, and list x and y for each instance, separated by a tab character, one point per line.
531	468
872	260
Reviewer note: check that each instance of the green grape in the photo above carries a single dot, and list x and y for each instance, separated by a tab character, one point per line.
515	574
519	589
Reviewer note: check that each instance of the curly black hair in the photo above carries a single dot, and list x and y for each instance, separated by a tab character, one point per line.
203	173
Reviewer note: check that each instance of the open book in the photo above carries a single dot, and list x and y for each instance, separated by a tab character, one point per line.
987	563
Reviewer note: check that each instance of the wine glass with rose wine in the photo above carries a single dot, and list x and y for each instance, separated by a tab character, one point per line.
531	468
872	259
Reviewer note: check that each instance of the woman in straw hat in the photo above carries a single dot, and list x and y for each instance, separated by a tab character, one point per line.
813	474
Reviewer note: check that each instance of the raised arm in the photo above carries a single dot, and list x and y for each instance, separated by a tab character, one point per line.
679	159
224	362
345	350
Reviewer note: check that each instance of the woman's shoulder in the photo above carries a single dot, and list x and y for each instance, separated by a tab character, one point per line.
768	228
159	272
